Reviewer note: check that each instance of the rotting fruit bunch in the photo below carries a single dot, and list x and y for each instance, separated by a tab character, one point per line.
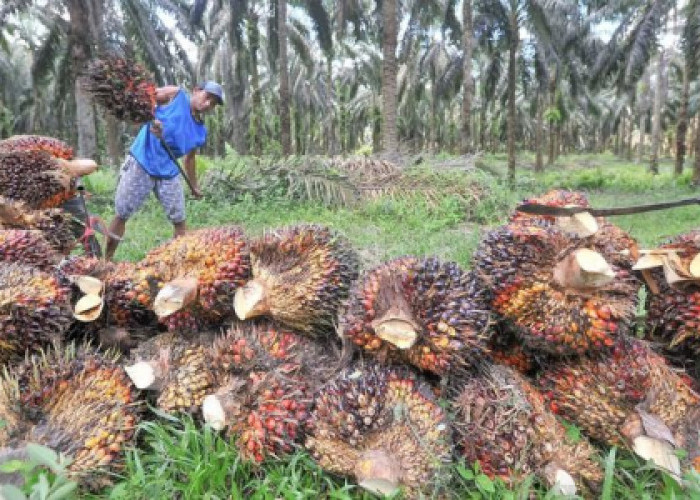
124	88
76	401
381	427
300	276
426	312
501	421
34	310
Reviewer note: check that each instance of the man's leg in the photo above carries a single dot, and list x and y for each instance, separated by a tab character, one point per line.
172	198
179	229
134	187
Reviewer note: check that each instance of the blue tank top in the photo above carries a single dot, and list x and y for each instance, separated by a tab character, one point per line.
180	131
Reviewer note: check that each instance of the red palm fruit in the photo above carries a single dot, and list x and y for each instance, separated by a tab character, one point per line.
382	428
625	398
560	293
34	310
501	421
27	247
177	369
300	276
38	179
190	281
673	310
78	402
265	411
425	312
55	224
55	147
123	87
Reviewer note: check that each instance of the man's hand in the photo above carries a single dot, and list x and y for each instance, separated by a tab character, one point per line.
157	128
197	193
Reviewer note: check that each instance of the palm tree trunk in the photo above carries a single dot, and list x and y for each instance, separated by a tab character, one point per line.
285	120
642	135
696	164
656	118
84	109
113	135
468	83
511	95
255	130
331	144
682	125
390	140
539	123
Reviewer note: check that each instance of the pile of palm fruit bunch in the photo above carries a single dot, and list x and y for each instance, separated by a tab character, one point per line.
34	310
190	282
630	397
55	224
39	179
78	402
54	147
672	274
424	312
563	288
123	87
27	247
299	277
383	428
265	377
122	305
175	369
502	423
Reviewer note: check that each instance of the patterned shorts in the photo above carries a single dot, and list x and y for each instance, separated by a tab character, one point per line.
135	185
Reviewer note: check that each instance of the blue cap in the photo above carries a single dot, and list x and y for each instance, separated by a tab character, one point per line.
214	89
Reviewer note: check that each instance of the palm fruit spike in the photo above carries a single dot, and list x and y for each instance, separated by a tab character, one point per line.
502	422
630	397
78	402
124	88
673	311
301	274
265	411
176	368
381	427
263	347
38	179
34	310
55	224
27	247
560	293
55	147
190	281
425	312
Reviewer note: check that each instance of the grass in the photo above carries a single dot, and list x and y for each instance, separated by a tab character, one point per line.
178	459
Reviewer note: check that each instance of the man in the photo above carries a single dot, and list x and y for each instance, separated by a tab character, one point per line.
148	166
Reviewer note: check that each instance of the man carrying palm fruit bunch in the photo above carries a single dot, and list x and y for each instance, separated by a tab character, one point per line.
178	130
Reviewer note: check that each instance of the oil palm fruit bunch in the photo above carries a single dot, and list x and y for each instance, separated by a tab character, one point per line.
265	412
425	312
34	310
673	304
561	293
504	348
78	402
55	147
501	421
382	428
123	87
38	179
630	397
123	306
177	369
553	198
27	247
300	276
55	224
190	281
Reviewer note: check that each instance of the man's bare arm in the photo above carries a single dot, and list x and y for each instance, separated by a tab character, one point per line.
165	94
191	171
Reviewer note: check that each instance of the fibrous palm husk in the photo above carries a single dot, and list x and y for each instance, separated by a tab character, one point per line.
425	312
382	428
300	276
76	401
561	293
501	421
123	87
